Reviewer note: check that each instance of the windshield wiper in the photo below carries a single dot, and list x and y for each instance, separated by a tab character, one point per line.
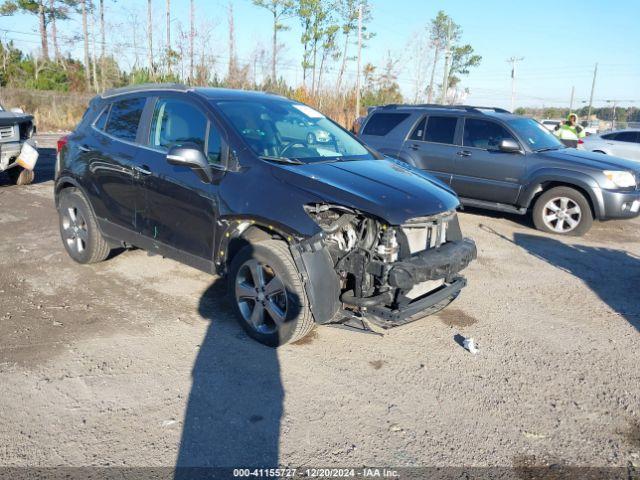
547	149
291	161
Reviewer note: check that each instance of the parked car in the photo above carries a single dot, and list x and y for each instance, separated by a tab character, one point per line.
500	161
306	232
16	128
621	143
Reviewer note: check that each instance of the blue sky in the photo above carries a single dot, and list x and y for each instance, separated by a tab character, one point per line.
560	41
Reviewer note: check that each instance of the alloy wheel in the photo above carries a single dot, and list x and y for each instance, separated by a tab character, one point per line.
561	214
74	230
261	296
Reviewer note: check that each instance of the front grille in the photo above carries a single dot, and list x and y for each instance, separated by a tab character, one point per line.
423	233
6	132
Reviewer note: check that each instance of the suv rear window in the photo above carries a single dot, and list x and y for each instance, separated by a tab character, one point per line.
124	118
382	123
441	129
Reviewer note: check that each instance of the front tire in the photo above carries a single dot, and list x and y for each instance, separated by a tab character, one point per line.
79	230
268	296
563	211
20	176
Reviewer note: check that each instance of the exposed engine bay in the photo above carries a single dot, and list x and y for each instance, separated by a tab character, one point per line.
391	273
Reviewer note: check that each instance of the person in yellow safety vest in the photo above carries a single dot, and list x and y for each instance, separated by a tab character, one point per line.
570	132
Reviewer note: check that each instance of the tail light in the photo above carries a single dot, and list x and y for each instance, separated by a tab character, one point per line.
580	141
62	141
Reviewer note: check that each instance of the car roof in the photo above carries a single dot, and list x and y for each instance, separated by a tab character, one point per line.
207	92
467	110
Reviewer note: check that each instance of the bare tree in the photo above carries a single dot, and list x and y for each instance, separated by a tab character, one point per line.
102	45
150	39
42	20
54	30
279	10
169	37
85	33
233	66
92	28
192	34
348	12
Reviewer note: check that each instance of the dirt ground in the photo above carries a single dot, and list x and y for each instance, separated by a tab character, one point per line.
137	361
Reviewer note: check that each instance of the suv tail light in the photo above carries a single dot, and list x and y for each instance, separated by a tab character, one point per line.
62	141
580	141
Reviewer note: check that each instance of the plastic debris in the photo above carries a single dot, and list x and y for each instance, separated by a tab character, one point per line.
470	345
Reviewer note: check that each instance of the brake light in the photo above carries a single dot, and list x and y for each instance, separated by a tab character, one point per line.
62	141
580	141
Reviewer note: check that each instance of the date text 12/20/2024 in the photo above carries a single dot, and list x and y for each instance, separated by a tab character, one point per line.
315	472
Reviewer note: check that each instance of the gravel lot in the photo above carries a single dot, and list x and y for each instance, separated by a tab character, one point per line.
137	361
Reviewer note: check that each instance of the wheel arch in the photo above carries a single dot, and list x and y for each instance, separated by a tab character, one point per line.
579	182
312	260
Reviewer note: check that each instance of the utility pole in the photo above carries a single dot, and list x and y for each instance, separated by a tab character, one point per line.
85	34
359	61
513	61
573	91
593	87
447	59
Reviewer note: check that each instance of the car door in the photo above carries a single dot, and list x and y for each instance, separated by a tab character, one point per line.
111	151
482	171
431	145
180	209
626	144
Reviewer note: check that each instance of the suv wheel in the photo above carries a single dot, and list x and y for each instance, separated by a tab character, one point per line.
20	176
564	211
78	228
268	296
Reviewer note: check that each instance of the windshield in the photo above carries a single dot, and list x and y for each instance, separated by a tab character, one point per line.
534	134
293	131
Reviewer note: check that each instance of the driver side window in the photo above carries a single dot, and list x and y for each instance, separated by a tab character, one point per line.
175	122
483	134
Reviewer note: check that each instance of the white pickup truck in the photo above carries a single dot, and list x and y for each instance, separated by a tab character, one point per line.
16	128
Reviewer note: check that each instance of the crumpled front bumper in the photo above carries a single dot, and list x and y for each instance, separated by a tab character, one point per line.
8	151
443	264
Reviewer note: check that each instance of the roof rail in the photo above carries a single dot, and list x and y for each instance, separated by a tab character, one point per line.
468	108
142	87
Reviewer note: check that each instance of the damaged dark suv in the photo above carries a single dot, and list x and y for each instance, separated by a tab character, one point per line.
307	231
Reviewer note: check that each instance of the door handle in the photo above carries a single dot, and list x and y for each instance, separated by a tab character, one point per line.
84	148
143	170
414	146
464	153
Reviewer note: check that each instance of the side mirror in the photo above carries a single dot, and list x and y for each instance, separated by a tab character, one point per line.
191	155
509	145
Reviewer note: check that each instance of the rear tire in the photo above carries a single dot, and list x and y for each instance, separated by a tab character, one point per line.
563	211
267	294
79	230
20	176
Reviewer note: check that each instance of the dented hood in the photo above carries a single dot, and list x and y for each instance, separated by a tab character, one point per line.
390	190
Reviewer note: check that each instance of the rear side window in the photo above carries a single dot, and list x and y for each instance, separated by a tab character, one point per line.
609	136
483	134
101	121
631	137
441	129
124	118
382	123
418	132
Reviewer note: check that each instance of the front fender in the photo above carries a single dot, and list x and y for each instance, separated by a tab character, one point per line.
564	177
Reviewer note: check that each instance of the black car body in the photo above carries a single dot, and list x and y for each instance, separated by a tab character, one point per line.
356	238
496	160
